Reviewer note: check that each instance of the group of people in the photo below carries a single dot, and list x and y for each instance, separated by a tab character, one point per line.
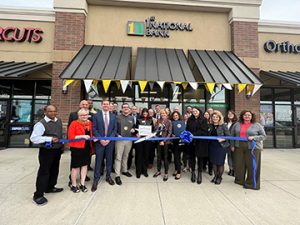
117	155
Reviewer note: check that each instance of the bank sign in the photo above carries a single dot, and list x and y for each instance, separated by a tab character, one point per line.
153	28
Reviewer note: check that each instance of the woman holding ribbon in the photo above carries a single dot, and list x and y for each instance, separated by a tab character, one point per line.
198	126
217	148
145	127
178	126
80	150
164	129
247	156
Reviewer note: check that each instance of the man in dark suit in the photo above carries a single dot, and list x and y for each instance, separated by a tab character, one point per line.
104	125
135	116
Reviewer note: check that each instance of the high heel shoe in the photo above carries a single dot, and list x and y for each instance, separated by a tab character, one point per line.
218	180
157	174
213	180
193	177
165	177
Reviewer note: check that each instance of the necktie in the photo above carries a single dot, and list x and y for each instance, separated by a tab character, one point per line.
105	123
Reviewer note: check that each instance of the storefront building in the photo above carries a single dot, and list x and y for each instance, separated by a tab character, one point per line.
146	53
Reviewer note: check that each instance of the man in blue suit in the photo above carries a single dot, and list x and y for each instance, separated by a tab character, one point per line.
104	125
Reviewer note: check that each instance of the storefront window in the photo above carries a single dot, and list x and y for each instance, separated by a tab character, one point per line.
141	96
23	89
283	115
269	142
266	116
5	89
218	95
19	135
191	95
266	95
284	137
118	95
283	96
158	94
297	96
39	110
43	89
21	111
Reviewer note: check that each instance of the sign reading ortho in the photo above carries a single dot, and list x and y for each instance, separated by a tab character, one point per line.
14	34
283	47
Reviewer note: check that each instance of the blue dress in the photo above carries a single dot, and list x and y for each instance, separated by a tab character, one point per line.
216	152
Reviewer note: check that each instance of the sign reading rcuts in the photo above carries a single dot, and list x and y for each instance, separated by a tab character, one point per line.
14	34
151	28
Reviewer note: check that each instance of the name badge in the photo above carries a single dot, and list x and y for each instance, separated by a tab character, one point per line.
145	130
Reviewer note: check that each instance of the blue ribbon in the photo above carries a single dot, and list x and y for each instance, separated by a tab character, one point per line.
185	137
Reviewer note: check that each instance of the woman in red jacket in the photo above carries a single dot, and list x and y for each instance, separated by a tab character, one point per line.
80	150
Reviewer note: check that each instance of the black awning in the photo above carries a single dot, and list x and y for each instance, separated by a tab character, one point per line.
289	77
220	67
156	64
94	62
20	69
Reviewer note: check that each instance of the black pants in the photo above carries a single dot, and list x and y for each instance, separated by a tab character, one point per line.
152	146
48	171
162	154
192	159
177	149
141	157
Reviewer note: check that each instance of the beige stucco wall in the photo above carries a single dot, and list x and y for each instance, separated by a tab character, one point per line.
278	61
25	51
107	25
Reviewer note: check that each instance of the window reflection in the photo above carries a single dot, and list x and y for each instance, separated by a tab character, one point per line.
217	96
283	115
21	111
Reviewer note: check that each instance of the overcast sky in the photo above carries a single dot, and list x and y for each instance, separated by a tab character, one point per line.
283	10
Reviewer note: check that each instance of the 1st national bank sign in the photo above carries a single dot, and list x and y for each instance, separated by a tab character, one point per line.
152	28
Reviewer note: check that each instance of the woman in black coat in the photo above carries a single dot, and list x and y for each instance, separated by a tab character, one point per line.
198	126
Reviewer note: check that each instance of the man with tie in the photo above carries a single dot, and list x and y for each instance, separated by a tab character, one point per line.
104	125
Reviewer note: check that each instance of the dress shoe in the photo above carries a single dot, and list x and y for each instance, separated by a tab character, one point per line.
127	174
87	178
94	187
193	177
218	180
54	190
229	173
110	181
118	181
158	173
214	179
165	177
199	178
178	176
138	176
40	201
75	189
146	174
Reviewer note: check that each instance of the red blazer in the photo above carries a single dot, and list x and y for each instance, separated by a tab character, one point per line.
77	128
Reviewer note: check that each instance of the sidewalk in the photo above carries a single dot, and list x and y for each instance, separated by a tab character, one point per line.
149	200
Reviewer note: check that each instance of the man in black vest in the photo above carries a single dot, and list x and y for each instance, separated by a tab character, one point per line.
49	129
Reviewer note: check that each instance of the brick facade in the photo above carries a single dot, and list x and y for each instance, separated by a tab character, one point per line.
244	43
69	35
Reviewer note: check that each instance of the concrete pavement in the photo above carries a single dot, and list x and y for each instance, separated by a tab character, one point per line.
148	201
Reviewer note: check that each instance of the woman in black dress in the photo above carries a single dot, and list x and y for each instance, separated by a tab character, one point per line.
143	148
198	126
217	148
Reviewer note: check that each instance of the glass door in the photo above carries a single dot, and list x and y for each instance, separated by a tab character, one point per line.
297	123
4	123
